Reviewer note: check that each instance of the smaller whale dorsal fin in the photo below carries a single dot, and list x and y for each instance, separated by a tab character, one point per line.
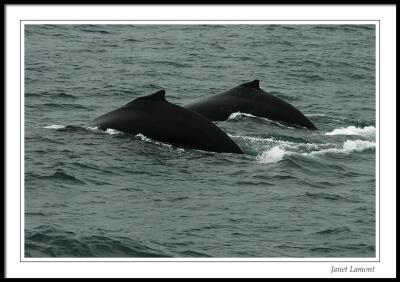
252	84
158	96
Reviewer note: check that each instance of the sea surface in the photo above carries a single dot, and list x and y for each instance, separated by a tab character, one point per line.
295	193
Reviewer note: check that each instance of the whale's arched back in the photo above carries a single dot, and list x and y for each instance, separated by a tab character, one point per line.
156	118
249	98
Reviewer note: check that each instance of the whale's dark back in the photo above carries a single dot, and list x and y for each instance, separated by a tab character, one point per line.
249	98
156	118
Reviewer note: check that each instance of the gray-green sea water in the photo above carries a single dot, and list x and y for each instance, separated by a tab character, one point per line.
294	193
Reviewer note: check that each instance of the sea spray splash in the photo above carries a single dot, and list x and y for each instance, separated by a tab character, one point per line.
272	155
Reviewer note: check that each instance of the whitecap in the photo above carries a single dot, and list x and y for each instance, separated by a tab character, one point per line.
352	130
272	155
54	126
357	145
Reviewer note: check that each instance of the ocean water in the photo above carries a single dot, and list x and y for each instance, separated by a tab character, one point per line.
295	193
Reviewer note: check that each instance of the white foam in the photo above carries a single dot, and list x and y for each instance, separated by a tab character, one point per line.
348	147
147	139
281	143
316	115
108	131
143	138
112	131
252	138
357	145
272	155
238	115
276	153
352	130
322	152
54	126
93	128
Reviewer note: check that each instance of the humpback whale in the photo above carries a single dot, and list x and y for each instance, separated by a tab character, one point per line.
249	98
158	119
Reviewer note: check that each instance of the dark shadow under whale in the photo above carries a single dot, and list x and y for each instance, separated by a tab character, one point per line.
251	99
156	118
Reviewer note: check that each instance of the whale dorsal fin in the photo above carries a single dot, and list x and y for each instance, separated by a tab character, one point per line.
252	84
158	96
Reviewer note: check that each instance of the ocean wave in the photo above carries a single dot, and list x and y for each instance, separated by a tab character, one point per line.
96	31
61	94
357	76
192	253
312	62
324	117
330	197
131	40
367	131
58	93
43	139
41	214
66	177
326	27
311	77
65	106
172	64
336	230
91	166
299	74
59	175
48	241
32	94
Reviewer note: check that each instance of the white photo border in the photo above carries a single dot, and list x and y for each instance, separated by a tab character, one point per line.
255	261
